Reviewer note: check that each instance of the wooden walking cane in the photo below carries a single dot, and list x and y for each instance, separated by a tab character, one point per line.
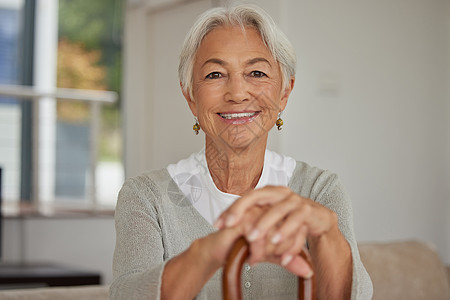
231	283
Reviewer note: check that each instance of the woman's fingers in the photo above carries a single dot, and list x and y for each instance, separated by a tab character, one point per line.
291	262
298	266
215	246
257	253
263	196
292	244
277	214
267	250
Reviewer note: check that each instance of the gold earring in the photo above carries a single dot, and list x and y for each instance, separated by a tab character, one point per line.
196	127
279	122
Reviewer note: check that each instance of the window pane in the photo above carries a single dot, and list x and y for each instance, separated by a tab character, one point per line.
89	57
72	152
10	111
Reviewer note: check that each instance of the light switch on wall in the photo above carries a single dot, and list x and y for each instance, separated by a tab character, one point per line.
328	85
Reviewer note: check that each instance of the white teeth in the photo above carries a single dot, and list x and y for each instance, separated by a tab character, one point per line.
237	115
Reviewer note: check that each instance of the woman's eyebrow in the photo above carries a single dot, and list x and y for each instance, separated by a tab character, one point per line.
257	60
214	61
250	62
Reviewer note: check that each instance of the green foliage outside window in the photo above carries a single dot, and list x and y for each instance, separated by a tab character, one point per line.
89	57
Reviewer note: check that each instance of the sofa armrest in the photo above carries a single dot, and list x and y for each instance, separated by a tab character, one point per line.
405	270
448	274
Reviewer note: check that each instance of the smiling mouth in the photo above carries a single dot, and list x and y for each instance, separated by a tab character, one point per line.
234	116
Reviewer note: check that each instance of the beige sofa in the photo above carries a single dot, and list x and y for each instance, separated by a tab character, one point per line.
406	270
399	270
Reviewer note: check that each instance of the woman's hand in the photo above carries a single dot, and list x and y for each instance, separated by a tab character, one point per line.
278	233
202	259
214	248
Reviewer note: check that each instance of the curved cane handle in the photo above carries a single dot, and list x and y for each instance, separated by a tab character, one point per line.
231	283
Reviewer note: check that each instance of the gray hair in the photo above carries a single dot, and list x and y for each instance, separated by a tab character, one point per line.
243	16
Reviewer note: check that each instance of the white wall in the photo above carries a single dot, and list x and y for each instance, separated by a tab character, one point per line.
371	103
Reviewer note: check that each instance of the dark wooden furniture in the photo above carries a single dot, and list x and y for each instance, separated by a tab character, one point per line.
44	275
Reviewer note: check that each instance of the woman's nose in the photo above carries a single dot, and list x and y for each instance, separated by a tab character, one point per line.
237	89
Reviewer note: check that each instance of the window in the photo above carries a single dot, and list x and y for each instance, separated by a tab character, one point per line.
61	139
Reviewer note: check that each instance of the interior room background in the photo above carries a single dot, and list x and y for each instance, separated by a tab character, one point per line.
371	103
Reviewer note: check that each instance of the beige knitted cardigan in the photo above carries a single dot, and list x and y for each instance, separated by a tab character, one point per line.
155	222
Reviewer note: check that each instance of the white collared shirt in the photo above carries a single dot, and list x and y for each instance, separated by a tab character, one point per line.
194	180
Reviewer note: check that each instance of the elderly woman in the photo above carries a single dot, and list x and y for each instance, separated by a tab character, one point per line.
175	226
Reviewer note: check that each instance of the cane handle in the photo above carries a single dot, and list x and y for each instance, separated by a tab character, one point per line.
231	283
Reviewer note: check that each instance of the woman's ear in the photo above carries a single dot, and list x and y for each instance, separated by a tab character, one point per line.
190	100
286	92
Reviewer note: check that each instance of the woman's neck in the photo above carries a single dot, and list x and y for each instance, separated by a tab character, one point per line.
235	171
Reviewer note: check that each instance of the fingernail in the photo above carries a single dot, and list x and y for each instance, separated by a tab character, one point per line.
218	224
287	259
276	238
310	274
229	221
253	235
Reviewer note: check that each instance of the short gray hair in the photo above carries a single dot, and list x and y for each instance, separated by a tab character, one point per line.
243	16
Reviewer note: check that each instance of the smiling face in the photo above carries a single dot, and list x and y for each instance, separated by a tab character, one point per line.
237	89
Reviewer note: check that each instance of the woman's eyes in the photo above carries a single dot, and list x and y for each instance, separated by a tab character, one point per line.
214	75
257	74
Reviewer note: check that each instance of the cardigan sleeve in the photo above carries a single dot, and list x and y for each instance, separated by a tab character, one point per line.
325	188
138	261
329	192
